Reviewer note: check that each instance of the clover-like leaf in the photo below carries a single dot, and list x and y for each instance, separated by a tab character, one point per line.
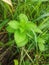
14	24
20	39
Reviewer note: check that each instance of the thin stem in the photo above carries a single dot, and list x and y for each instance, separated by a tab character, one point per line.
28	56
21	55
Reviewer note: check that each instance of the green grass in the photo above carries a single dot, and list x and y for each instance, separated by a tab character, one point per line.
38	13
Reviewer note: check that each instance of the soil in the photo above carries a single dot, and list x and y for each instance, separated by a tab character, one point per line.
7	54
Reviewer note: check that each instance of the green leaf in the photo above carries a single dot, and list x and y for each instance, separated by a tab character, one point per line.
34	27
10	30
23	43
14	24
20	38
15	62
23	18
41	47
41	44
21	29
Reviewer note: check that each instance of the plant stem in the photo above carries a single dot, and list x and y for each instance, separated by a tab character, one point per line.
21	55
28	56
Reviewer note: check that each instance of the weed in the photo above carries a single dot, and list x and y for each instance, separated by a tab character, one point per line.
26	23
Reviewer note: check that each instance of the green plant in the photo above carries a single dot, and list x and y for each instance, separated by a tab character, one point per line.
25	30
30	36
22	29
